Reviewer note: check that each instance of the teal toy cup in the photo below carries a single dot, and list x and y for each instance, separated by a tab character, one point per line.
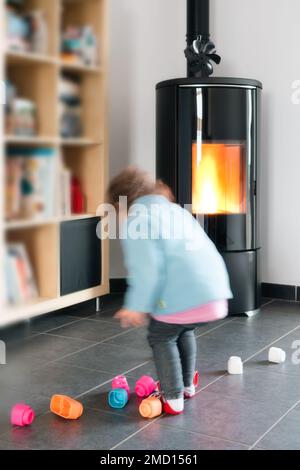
118	398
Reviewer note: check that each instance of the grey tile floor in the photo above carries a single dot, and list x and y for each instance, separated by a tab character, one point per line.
77	352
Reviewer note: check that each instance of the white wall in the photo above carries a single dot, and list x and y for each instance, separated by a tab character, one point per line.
260	39
257	39
147	39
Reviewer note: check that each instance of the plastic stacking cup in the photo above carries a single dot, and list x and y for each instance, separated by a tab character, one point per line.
22	415
66	407
121	382
235	365
118	398
145	386
277	355
150	408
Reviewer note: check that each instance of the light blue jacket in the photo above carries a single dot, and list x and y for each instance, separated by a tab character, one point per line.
172	264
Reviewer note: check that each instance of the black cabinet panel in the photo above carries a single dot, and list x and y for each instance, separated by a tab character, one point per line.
80	256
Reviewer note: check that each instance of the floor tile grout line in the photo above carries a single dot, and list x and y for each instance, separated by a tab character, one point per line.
60	326
39	333
100	371
274	425
22	340
109	322
108	381
78	320
245	361
116	336
205	435
90	346
270	344
135	433
87	317
201	390
127	372
159	417
89	391
215	328
267	303
69	337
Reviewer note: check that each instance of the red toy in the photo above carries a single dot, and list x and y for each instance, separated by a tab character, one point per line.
78	200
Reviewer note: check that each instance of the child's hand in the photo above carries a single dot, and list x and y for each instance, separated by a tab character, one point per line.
129	318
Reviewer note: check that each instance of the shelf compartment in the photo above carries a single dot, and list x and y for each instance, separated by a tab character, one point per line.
86	165
79	68
78	142
37	82
41	243
26	224
81	13
18	57
91	116
50	8
32	141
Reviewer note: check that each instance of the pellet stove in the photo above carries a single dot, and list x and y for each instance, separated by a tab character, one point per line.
208	152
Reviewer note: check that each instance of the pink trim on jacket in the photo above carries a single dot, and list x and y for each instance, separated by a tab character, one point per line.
205	313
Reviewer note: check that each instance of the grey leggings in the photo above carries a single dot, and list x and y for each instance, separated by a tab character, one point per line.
174	350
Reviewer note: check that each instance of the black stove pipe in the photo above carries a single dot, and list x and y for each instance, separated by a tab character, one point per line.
200	52
197	19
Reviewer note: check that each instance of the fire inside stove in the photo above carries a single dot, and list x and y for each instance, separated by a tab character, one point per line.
219	178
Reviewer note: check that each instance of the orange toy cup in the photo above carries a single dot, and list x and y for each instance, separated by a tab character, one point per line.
66	407
151	407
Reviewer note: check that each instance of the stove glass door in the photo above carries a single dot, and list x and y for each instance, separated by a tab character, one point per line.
217	162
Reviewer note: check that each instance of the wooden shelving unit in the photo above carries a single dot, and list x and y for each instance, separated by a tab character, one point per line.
37	77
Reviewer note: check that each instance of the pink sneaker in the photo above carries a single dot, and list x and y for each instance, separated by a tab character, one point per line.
169	410
189	392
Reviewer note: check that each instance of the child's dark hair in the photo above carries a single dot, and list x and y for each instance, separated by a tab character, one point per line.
134	183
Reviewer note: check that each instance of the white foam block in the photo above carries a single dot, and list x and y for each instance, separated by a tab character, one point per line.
235	365
277	355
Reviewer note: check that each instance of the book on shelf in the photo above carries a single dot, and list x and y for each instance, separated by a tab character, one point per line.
20	282
65	191
25	31
30	183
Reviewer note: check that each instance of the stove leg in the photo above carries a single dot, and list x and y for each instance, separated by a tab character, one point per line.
98	305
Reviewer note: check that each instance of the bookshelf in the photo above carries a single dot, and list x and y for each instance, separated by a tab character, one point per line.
36	76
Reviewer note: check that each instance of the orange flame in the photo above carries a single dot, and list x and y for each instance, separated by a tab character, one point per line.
219	185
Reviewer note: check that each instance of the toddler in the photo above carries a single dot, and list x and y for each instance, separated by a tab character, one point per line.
175	275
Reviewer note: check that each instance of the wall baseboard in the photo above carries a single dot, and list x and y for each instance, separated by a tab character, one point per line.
118	286
272	291
281	291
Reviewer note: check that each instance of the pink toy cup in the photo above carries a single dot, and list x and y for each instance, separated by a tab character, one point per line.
121	382
145	386
22	415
